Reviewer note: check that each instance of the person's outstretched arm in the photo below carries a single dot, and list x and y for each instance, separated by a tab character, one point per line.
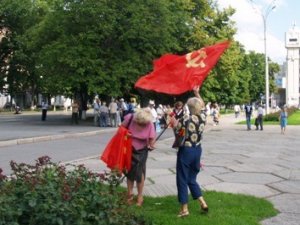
196	93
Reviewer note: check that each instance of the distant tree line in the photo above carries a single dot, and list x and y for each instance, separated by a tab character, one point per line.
88	47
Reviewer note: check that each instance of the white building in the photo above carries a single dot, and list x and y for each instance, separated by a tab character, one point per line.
292	44
279	98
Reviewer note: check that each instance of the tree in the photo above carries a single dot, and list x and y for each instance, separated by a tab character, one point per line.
106	45
211	26
17	18
79	48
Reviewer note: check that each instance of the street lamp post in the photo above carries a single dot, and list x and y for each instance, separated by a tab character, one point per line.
264	15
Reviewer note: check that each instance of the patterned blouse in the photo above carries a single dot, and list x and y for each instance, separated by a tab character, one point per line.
195	126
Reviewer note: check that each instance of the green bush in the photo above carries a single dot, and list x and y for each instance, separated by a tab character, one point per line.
272	116
51	194
275	116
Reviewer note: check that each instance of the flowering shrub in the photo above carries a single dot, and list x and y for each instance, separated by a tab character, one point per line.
275	116
50	194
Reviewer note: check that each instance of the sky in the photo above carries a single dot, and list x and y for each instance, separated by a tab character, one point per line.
249	22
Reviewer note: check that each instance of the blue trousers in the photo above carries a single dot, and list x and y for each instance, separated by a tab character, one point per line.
248	121
187	169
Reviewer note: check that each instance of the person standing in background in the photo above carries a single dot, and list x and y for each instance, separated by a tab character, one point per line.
248	112
161	115
283	119
215	114
75	110
113	108
178	110
237	110
260	114
97	105
151	107
122	108
104	116
44	110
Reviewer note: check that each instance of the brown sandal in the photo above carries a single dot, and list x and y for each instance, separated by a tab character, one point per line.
140	201
130	199
203	205
183	214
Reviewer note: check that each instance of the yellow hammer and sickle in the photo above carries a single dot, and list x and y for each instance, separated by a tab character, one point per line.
197	61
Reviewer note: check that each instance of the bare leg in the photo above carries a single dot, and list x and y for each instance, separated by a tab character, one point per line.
140	188
184	208
130	185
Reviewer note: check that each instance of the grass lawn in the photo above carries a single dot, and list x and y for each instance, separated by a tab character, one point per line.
293	119
224	209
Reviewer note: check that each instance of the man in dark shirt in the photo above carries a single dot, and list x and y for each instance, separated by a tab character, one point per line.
248	112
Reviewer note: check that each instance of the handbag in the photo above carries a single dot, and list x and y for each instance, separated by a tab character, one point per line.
180	136
117	154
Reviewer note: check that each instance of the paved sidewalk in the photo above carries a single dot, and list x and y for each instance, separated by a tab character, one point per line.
259	163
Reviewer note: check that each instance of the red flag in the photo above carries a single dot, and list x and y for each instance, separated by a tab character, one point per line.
175	74
117	153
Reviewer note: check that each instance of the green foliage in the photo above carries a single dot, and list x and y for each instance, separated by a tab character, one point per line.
87	47
104	44
256	66
18	58
275	116
51	194
272	116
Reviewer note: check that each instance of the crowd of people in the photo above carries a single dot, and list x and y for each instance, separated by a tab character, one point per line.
112	114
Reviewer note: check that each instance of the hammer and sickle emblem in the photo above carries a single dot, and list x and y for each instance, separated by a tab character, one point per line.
197	60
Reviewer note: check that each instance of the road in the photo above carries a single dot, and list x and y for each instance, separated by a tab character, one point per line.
60	150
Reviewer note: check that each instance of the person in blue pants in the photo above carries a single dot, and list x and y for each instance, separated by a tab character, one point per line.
189	153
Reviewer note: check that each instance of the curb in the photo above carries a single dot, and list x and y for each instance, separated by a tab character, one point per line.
50	138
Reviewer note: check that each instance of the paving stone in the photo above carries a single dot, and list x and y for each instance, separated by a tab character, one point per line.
248	189
290	163
158	172
287	203
290	186
255	167
283	219
284	173
205	179
165	180
159	164
248	178
160	190
213	170
295	174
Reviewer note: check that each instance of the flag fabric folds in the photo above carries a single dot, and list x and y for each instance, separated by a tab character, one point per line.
174	74
117	153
